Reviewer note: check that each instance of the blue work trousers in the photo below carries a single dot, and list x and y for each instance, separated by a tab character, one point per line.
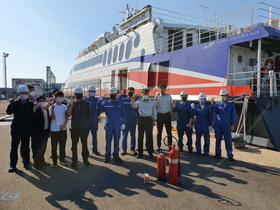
219	132
181	128
129	127
202	129
112	131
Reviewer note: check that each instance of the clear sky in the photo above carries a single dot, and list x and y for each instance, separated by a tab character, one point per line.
37	33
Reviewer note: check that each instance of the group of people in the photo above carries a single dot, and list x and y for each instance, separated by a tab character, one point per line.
37	119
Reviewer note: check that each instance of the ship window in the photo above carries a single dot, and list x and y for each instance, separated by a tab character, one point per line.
175	40
100	57
109	56
115	54
163	73
136	41
204	37
189	40
121	52
104	58
128	49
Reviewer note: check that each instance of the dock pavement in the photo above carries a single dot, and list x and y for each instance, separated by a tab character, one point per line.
251	182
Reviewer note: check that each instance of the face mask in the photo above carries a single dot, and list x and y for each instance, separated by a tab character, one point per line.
184	98
112	96
130	94
79	96
41	104
201	101
224	98
145	97
59	100
23	97
32	93
92	94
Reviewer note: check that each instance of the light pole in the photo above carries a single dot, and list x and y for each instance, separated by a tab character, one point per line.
5	55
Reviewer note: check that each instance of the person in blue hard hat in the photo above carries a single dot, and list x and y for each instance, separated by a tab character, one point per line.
224	125
22	109
94	117
203	123
184	122
115	122
131	119
80	112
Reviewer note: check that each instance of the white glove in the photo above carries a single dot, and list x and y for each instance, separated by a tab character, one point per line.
123	126
192	105
210	128
100	98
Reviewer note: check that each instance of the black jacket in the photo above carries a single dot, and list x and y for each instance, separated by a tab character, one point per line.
39	122
23	114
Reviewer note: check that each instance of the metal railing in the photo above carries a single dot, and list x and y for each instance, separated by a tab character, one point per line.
269	85
216	27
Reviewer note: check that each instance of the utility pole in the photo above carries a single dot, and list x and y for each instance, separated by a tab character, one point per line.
5	55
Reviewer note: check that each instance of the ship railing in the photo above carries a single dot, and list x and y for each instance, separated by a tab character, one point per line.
216	27
269	82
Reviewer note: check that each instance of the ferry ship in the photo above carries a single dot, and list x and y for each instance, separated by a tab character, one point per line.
239	51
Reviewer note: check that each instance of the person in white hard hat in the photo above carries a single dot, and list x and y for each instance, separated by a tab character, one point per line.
184	121
203	123
115	122
94	117
225	122
80	112
22	109
131	119
148	116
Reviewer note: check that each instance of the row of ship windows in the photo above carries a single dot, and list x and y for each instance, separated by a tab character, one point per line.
109	56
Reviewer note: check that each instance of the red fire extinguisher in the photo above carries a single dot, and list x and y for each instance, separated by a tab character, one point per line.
173	165
161	167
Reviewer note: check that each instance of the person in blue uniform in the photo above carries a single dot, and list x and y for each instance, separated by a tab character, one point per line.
115	122
131	119
94	117
184	122
224	125
202	125
40	132
22	109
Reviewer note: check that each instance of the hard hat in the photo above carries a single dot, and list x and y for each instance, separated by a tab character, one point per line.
223	92
113	90
23	89
202	95
78	90
183	93
91	88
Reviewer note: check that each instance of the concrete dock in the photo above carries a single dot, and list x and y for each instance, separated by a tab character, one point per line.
251	182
